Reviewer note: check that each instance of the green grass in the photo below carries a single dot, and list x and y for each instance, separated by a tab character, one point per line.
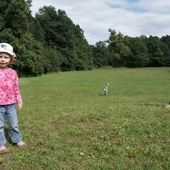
68	124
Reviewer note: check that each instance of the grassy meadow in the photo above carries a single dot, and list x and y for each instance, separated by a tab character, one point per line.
68	124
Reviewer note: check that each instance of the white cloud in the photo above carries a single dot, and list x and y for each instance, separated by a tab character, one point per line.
130	17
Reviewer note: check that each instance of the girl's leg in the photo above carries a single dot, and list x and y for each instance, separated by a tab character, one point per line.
2	133
12	120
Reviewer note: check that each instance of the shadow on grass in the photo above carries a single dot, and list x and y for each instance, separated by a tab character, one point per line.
158	105
152	104
101	95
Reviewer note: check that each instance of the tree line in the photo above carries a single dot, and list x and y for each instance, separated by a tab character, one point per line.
125	51
51	42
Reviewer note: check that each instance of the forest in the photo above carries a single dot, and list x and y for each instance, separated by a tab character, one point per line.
50	42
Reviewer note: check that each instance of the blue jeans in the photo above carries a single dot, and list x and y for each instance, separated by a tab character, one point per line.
8	113
105	92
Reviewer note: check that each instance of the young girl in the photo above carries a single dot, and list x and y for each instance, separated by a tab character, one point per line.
9	95
106	88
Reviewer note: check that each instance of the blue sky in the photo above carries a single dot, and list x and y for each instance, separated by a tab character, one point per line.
130	17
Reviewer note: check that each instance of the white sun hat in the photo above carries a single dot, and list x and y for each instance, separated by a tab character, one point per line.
7	48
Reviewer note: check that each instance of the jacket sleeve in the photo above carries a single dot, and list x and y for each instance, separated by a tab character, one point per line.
16	89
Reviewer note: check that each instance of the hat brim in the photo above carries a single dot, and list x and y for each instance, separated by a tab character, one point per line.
7	51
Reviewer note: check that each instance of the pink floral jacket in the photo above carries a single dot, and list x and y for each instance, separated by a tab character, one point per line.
9	89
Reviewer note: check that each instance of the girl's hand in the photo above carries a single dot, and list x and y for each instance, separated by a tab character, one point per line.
19	106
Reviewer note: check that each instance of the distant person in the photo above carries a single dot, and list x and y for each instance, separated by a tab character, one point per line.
106	88
9	95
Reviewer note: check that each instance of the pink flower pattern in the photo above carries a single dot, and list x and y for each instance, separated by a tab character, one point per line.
9	88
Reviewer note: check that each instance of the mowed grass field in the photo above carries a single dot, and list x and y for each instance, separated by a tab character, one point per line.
68	124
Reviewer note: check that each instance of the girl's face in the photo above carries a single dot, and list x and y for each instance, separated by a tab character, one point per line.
4	60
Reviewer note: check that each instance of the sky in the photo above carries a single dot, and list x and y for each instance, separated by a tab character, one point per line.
129	17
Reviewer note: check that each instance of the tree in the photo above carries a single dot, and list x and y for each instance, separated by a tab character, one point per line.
157	51
60	33
33	26
166	40
139	56
15	15
120	51
83	59
100	54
